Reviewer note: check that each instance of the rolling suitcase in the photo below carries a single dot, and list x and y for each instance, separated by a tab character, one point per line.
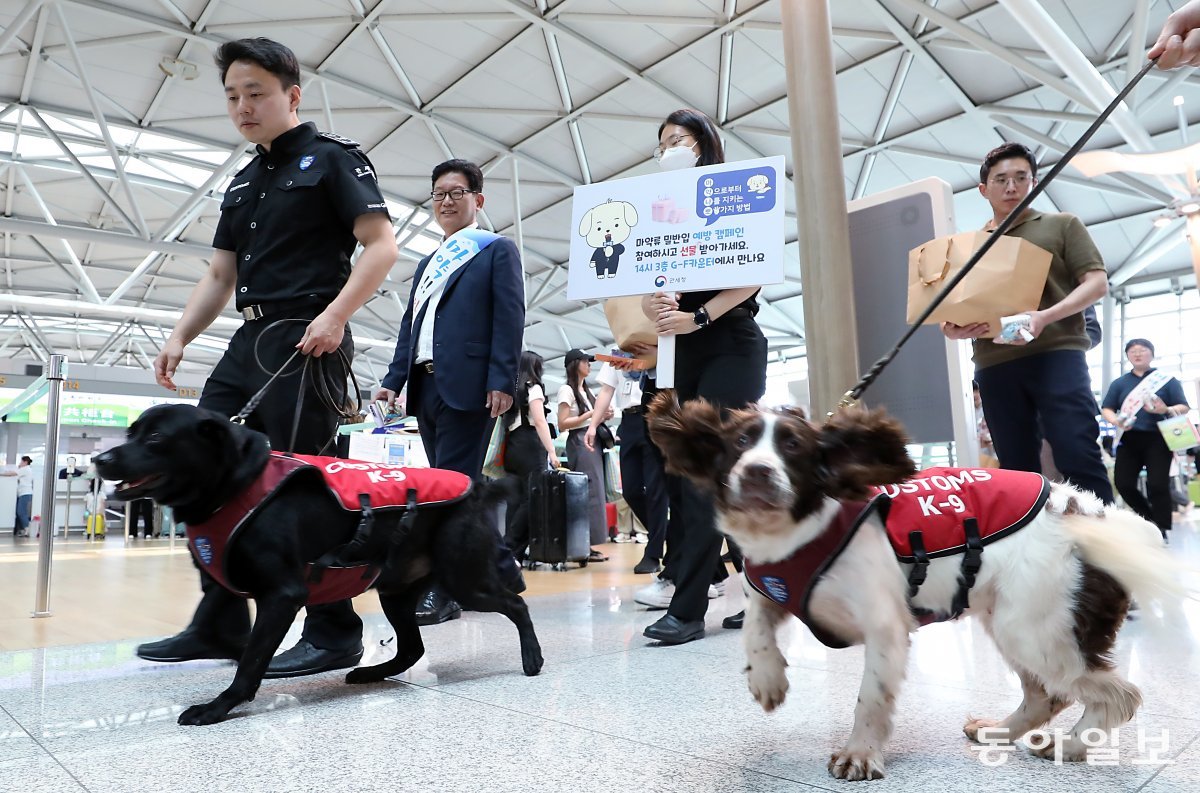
559	531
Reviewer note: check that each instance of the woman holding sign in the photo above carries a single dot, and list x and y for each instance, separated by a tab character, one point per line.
721	356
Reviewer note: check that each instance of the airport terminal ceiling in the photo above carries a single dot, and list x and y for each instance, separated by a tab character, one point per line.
115	148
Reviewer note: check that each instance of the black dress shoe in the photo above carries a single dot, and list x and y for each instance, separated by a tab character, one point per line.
647	565
436	608
672	630
734	621
308	659
190	646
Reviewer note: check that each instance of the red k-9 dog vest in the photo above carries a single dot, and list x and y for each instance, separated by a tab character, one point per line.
386	486
939	512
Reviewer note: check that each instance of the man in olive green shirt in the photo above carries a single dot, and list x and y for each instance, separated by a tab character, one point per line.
1042	385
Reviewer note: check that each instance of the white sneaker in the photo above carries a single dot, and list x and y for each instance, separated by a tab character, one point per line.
640	539
657	596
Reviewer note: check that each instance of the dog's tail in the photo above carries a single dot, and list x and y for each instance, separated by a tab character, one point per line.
1131	550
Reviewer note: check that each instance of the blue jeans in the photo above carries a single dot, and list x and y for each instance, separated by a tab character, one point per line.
1052	390
24	511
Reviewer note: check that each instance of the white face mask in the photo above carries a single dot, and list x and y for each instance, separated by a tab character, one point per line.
677	157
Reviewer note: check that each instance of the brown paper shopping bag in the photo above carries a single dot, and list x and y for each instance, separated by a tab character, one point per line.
630	325
1009	279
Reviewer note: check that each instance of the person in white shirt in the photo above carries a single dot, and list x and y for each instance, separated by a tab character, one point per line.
529	448
642	478
575	411
24	475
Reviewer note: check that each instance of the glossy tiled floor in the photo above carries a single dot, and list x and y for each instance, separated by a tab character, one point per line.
610	712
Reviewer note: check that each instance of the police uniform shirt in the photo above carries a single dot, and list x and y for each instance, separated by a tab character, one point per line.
289	217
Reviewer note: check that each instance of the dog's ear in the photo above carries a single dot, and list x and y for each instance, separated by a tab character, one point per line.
863	448
690	437
246	449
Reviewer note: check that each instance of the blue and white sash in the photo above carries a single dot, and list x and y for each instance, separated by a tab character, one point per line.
454	253
1137	400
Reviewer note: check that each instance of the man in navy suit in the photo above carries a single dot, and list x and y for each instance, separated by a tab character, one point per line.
460	342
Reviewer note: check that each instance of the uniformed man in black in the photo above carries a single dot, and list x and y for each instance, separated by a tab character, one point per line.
289	223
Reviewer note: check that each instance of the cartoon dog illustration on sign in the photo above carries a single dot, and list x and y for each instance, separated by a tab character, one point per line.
758	184
605	227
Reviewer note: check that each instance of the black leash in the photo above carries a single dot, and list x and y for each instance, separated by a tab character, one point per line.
318	372
853	395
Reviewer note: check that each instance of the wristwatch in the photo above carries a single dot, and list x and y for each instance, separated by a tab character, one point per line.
701	317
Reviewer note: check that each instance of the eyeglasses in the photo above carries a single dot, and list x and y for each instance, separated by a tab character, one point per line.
672	142
455	195
1020	180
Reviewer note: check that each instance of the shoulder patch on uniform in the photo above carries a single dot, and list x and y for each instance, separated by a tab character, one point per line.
338	139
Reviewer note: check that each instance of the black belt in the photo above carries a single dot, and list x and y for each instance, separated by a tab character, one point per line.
736	312
424	366
260	310
636	410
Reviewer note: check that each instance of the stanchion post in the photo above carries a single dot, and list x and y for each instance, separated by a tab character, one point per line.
55	371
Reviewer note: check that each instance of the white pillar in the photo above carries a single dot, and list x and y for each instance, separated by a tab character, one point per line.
822	223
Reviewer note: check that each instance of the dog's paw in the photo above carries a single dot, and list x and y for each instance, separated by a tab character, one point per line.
1068	750
986	731
856	766
531	662
208	713
768	685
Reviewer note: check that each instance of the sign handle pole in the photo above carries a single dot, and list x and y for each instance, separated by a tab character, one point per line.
665	377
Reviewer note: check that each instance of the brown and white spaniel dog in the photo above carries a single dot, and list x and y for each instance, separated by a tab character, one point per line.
811	508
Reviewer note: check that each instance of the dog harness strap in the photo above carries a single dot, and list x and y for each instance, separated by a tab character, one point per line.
410	516
971	563
347	554
920	567
790	582
210	539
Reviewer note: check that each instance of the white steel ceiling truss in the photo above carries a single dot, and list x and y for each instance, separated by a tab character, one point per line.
110	189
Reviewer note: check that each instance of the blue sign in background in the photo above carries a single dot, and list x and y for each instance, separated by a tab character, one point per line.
735	193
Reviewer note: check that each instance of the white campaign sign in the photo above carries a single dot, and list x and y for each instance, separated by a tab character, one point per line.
688	230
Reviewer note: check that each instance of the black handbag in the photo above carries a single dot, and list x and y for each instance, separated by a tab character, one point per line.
604	437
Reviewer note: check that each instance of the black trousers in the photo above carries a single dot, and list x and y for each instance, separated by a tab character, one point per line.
1051	390
524	456
455	440
726	363
1141	449
643	481
141	509
236	378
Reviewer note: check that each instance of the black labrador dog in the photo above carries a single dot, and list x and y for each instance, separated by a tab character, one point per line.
196	461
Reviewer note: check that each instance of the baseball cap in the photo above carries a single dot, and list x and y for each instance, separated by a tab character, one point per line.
576	355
